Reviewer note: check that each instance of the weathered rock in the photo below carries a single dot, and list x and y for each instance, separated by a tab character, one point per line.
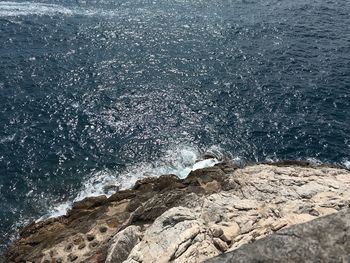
325	239
90	202
164	182
72	257
166	236
230	232
123	243
219	244
216	231
187	220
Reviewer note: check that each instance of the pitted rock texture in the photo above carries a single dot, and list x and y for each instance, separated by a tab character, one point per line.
167	219
325	239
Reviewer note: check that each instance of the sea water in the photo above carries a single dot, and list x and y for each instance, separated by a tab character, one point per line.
97	94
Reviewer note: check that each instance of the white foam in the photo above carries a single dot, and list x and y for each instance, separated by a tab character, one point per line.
204	163
347	164
58	210
30	8
14	9
8	138
179	160
314	160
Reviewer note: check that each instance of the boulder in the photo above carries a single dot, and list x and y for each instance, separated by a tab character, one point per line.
170	234
213	210
122	243
326	239
230	232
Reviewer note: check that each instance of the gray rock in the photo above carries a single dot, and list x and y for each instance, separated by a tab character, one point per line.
230	232
219	244
326	239
216	231
168	237
122	244
215	209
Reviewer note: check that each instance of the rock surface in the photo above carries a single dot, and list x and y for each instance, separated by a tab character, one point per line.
123	243
213	210
325	239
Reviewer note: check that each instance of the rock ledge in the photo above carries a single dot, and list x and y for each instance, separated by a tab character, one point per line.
167	219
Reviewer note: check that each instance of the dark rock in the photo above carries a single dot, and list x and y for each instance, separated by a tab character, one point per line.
94	244
121	195
164	182
103	229
81	246
90	237
110	188
219	244
196	189
134	204
326	239
157	205
34	227
81	219
78	240
151	197
227	166
205	175
216	231
208	156
69	247
230	183
90	202
72	257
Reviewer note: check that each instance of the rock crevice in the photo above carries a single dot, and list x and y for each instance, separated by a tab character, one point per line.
167	219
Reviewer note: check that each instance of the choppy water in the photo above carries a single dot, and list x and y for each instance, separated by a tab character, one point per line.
110	91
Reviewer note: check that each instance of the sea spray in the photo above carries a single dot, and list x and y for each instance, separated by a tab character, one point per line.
180	160
347	164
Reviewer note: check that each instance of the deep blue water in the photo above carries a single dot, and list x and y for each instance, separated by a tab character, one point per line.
115	90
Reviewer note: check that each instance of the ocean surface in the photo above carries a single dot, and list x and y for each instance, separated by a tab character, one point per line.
96	94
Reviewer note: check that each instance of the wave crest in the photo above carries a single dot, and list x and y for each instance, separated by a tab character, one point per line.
29	8
180	160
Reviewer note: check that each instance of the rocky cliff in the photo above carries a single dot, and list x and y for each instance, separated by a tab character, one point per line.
325	239
167	219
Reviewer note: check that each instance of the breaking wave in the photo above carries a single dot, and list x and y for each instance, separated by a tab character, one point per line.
180	161
16	9
29	8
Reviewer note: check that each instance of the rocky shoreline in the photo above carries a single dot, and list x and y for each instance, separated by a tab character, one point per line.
325	239
166	219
